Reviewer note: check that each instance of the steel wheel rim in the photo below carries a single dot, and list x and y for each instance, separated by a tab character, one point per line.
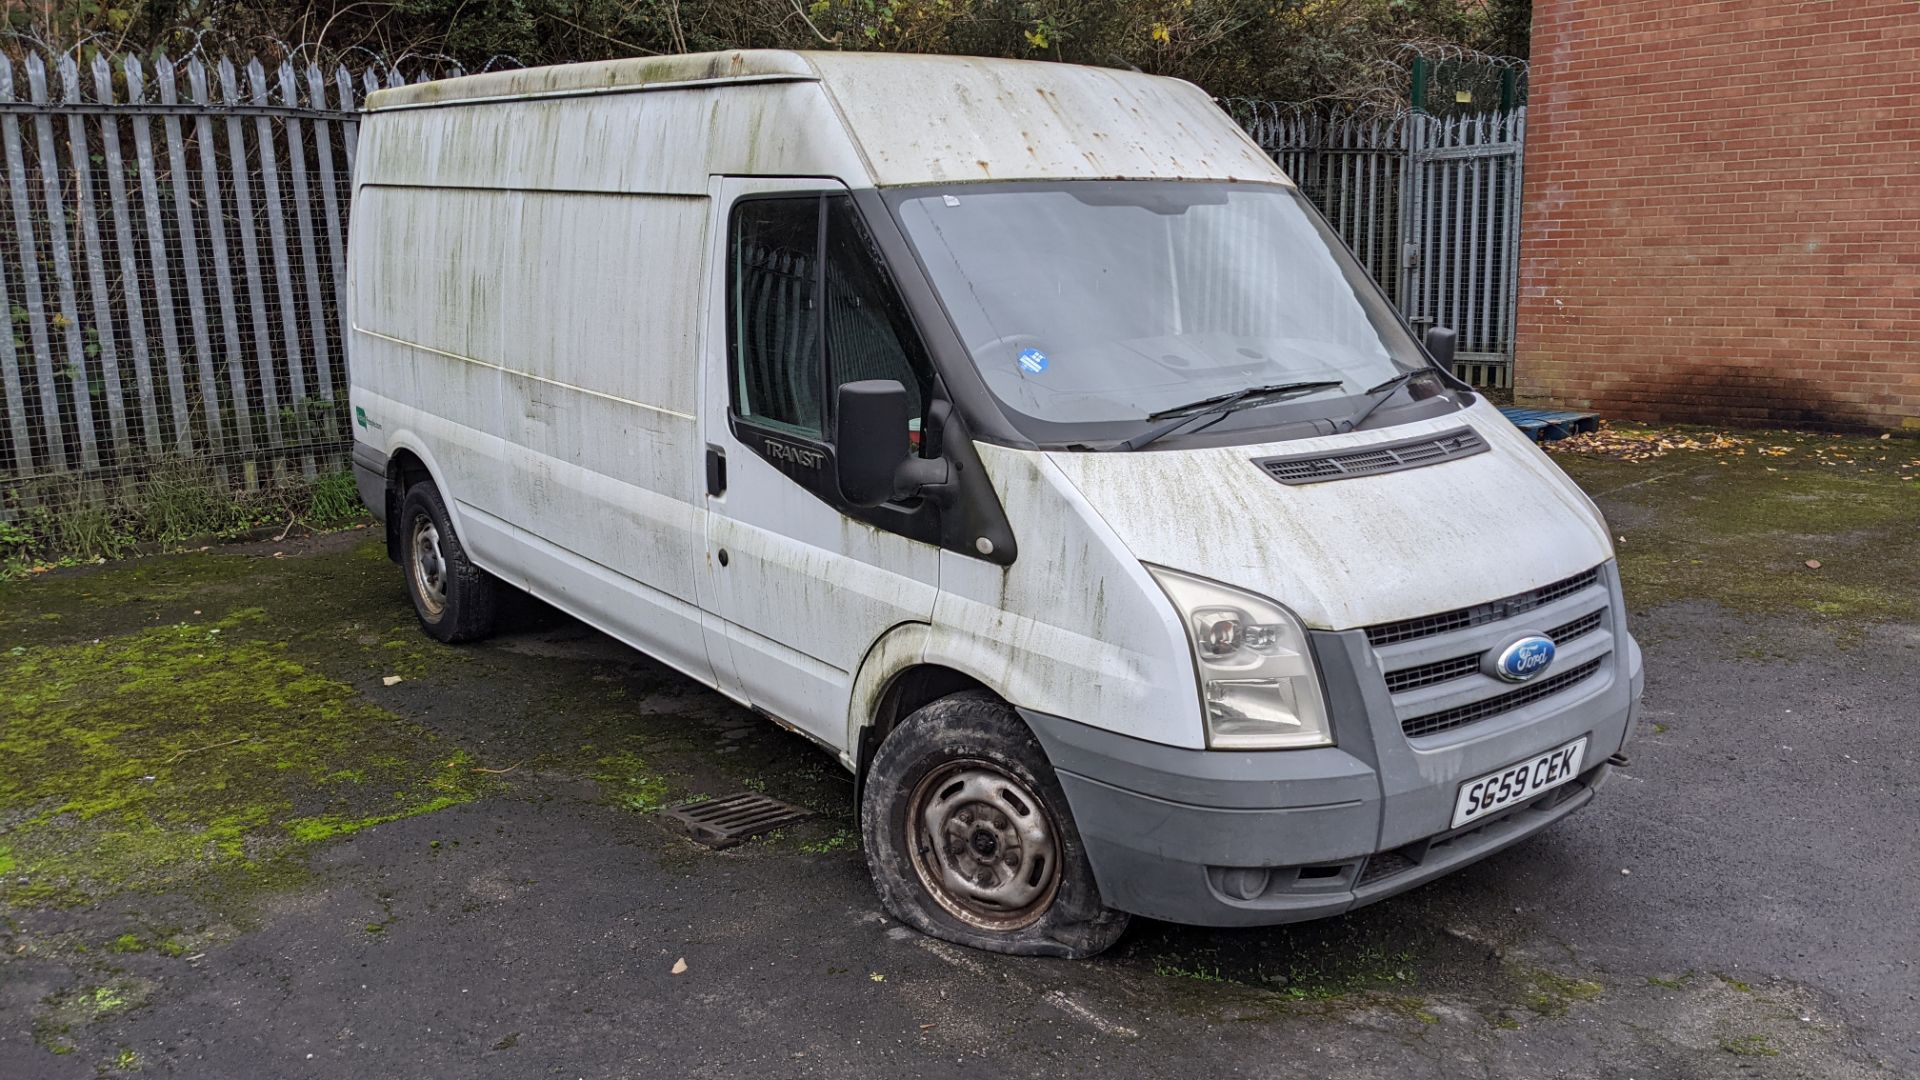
984	846
429	566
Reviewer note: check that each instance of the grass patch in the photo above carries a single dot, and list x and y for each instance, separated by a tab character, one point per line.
144	761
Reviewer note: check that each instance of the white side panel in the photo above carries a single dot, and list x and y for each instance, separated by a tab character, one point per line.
806	593
1075	627
1355	552
568	291
542	349
459	446
449	416
662	142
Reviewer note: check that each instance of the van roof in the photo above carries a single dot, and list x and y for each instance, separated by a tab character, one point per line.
919	118
601	76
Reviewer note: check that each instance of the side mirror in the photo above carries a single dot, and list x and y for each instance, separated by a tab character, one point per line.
1440	342
872	454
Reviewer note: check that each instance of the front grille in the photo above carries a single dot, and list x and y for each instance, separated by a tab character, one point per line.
1373	460
1580	627
1439	671
1459	716
1456	667
1480	614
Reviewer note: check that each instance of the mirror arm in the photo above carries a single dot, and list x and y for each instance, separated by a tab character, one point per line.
926	477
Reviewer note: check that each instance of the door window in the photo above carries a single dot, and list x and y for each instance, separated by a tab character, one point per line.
774	316
786	364
869	335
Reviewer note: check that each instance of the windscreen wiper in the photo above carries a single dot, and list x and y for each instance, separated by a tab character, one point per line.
1219	406
1379	396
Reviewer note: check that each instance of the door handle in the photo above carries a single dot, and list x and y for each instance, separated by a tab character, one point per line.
716	470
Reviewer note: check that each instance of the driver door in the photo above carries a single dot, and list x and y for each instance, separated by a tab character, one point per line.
797	585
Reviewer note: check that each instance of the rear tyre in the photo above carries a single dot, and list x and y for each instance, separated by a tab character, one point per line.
454	599
969	838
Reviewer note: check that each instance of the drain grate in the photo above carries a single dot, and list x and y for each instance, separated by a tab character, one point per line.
731	819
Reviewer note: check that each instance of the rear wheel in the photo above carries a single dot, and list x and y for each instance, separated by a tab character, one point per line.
969	838
454	599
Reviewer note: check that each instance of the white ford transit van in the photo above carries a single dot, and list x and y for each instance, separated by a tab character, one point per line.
1015	431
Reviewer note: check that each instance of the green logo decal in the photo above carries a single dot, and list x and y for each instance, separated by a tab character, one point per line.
360	414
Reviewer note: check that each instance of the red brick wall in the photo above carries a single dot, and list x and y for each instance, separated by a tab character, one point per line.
1722	211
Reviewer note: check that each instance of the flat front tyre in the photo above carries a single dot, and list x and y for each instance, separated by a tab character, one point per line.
969	838
454	599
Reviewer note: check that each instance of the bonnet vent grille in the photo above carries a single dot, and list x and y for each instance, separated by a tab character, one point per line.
1374	460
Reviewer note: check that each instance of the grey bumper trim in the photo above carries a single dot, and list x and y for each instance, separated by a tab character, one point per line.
370	477
1174	833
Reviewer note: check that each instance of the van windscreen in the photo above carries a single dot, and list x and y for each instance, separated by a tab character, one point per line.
1103	303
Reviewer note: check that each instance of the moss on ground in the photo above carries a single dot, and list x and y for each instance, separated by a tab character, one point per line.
1320	963
1738	525
1551	993
144	760
628	781
1749	1046
60	1013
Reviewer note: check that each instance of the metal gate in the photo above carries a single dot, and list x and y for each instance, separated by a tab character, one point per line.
1431	205
1461	250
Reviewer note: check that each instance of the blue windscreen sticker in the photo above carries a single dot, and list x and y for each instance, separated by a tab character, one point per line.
1033	361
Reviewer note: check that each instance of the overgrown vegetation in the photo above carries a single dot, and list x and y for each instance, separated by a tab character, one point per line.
64	520
1291	50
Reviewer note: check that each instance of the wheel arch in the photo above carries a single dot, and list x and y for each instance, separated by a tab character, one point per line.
906	692
895	679
408	464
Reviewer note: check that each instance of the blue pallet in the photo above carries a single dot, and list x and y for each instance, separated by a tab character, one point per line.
1547	425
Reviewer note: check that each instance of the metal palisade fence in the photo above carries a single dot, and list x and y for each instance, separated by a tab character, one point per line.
1431	205
172	262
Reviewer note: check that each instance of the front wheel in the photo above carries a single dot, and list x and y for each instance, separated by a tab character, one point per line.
969	838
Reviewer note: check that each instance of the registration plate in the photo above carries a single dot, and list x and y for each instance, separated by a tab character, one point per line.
1517	782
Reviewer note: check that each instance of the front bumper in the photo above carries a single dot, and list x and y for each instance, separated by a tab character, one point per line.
1220	838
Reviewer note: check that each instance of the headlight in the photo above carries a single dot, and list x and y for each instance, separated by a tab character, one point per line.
1257	680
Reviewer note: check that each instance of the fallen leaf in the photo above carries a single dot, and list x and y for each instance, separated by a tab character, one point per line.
877	977
680	966
1813	564
389	680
